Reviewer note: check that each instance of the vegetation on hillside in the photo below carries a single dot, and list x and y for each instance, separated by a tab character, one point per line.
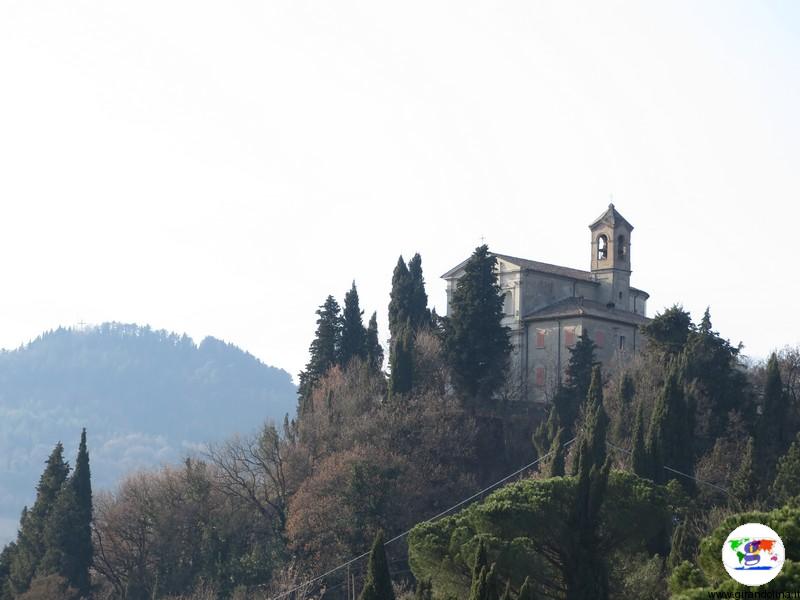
642	470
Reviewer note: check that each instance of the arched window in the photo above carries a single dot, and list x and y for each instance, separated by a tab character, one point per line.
602	247
622	249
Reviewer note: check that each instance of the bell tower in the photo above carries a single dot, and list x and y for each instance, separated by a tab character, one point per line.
611	256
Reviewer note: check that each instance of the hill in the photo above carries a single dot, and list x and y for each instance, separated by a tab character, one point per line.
144	396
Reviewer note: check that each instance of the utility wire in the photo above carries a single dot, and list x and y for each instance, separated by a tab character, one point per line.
441	514
714	485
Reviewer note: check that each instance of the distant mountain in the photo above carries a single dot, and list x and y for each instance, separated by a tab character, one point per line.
145	397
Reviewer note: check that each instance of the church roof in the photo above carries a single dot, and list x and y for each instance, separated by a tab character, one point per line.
532	265
582	307
612	217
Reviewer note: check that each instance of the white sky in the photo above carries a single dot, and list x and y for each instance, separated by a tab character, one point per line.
218	168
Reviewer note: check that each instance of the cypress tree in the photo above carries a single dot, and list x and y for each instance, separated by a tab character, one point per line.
507	593
354	336
481	560
555	467
572	394
324	350
401	363
30	547
771	423
787	480
418	313
476	343
669	437
640	458
591	572
374	348
744	484
400	298
378	585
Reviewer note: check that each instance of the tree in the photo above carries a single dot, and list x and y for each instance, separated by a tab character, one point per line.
572	394
424	590
787	480
67	531
771	422
669	331
670	434
640	458
30	547
374	350
354	336
378	585
745	484
400	298
401	362
324	349
418	313
476	343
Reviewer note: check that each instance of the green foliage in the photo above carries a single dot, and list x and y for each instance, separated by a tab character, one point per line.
400	298
686	576
771	422
378	584
526	591
787	479
744	486
424	590
669	439
353	342
418	313
529	529
669	331
324	350
476	344
401	362
31	542
374	350
640	457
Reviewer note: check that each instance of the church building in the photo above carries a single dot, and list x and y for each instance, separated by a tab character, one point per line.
548	307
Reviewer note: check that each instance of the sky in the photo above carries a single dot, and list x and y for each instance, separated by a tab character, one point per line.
220	168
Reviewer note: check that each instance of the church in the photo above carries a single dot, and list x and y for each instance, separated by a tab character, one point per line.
548	307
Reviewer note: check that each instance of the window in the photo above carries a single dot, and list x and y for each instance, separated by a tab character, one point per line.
569	336
540	338
508	303
602	247
600	338
620	295
622	342
621	248
539	376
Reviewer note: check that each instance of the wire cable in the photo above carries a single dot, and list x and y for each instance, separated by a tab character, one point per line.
438	516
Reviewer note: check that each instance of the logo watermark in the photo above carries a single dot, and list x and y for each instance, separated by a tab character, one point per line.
753	554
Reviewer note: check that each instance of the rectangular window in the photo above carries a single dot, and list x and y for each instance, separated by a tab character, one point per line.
508	303
622	342
600	339
539	376
540	338
569	336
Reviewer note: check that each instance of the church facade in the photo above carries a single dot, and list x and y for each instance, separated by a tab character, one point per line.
548	307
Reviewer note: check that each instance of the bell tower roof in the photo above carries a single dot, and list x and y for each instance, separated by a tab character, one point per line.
611	217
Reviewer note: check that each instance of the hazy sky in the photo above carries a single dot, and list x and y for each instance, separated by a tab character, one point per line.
218	168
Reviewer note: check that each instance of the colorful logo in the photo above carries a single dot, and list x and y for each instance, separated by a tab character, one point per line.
753	554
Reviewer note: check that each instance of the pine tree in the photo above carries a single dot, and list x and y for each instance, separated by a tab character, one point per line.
476	343
787	480
354	336
324	350
418	313
374	348
640	458
30	547
744	485
378	585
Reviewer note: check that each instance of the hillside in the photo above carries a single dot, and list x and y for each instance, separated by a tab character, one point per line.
144	396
